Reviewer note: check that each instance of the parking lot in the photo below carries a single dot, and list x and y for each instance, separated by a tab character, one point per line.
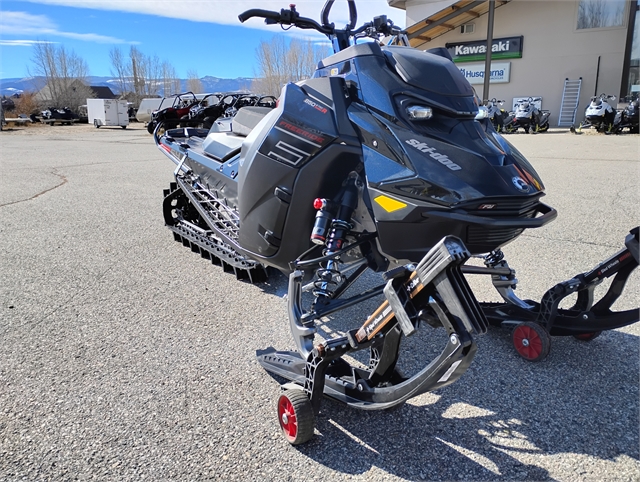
126	357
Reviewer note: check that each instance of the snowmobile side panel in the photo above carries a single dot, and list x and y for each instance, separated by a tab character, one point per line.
298	147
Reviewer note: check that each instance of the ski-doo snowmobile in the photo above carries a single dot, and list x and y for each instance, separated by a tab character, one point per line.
628	117
501	119
376	163
529	117
599	114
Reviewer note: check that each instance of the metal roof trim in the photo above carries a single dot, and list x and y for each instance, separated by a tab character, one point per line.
447	19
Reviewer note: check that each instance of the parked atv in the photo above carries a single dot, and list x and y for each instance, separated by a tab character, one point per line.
170	111
213	106
377	163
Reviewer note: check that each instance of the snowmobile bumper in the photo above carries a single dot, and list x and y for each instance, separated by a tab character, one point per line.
435	292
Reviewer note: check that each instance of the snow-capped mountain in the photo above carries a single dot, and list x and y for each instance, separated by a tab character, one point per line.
9	87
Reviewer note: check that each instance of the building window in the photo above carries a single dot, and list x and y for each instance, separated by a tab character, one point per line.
601	13
468	28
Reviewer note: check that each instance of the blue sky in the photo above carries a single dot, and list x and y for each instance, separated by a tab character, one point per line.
200	35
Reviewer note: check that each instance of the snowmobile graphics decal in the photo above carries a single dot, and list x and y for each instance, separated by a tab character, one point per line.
384	313
316	106
389	204
441	158
293	144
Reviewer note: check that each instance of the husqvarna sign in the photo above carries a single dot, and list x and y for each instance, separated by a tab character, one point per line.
502	48
474	73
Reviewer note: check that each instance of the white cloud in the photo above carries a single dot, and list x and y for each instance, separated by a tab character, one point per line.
22	23
19	43
226	12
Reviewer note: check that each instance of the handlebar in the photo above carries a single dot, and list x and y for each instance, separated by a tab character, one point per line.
339	37
258	12
285	17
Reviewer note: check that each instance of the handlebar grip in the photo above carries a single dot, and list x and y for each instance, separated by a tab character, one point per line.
257	12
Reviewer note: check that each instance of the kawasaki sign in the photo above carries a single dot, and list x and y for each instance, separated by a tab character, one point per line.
502	48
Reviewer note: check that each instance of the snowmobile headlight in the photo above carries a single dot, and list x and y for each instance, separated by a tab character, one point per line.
418	112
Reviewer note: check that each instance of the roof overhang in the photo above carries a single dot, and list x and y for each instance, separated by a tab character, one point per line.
447	19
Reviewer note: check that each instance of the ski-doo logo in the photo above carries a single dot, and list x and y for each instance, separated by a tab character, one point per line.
317	107
441	158
520	184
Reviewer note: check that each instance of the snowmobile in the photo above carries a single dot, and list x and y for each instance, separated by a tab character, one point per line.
529	117
501	119
628	117
375	164
599	114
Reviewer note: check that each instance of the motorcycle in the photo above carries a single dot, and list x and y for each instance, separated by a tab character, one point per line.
599	114
529	117
375	164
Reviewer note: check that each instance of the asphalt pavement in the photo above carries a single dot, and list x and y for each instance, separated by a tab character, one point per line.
126	357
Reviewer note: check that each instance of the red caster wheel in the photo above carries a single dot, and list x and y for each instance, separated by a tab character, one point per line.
588	336
531	341
296	417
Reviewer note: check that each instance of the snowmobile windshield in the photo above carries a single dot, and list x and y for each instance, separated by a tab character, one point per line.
427	71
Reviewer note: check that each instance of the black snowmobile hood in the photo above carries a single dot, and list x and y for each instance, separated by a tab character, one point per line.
443	171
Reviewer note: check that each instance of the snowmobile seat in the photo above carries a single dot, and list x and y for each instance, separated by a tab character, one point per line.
222	146
247	118
225	145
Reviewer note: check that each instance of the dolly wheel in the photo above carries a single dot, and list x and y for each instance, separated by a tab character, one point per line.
296	417
531	341
588	336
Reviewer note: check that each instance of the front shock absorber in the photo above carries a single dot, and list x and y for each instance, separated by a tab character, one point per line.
331	227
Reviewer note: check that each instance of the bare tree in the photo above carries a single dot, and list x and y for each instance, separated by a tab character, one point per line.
141	75
280	62
120	70
65	74
193	82
137	71
170	80
600	13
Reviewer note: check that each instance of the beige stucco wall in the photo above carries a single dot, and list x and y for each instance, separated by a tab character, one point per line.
553	49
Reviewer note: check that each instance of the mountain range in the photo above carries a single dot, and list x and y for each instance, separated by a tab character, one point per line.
13	86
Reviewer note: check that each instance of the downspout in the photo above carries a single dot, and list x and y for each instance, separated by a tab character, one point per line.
595	94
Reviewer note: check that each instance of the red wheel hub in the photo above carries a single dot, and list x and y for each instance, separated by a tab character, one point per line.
287	418
527	342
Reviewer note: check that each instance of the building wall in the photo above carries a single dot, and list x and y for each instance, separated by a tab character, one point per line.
553	49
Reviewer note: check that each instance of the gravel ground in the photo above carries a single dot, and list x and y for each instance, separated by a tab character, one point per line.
126	357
